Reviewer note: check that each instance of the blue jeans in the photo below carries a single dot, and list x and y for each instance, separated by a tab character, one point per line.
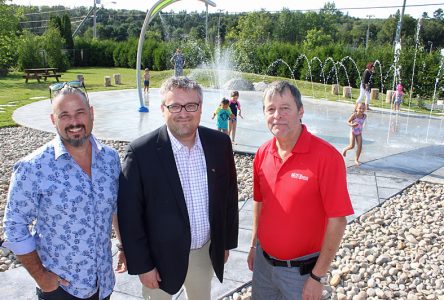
275	283
61	294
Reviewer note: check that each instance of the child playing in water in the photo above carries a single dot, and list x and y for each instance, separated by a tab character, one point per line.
356	122
146	80
235	108
223	113
397	97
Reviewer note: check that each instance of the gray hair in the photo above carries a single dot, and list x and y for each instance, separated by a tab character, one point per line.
180	82
279	87
68	90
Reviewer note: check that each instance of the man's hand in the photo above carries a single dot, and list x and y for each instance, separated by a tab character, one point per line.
312	290
121	262
48	281
150	279
250	258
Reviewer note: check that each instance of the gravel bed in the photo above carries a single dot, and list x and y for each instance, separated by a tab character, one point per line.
395	251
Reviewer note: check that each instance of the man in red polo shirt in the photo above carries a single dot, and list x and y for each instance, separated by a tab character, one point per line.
300	203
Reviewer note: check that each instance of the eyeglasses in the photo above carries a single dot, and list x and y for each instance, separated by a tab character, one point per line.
56	87
177	108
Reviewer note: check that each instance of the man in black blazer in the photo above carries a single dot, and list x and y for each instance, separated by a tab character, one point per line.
177	204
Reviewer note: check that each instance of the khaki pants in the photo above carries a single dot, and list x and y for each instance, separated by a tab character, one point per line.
197	281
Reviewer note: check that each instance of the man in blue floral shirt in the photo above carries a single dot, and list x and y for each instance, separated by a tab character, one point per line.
67	191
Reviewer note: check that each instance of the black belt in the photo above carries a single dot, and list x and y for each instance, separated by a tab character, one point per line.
305	265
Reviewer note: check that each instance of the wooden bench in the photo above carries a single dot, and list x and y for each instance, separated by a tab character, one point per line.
32	76
40	73
56	76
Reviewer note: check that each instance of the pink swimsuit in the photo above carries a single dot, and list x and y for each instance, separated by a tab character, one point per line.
357	130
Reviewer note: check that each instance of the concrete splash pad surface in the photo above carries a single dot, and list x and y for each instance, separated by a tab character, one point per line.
385	133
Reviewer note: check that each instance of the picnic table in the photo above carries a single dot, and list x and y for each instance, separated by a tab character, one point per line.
39	73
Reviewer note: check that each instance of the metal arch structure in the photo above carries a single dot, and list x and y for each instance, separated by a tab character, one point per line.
157	7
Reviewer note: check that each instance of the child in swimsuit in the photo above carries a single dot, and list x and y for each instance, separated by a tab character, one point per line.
236	110
223	113
146	81
356	122
397	97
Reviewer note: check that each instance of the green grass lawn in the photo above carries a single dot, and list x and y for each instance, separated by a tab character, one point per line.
14	92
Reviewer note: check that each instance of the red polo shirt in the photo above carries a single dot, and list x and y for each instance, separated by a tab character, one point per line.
299	195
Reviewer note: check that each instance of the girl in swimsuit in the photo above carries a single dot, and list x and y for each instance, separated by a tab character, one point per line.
236	110
356	122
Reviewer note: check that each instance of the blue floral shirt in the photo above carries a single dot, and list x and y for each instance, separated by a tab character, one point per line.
72	214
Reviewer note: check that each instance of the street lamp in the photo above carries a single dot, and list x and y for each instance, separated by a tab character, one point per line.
368	31
218	24
206	16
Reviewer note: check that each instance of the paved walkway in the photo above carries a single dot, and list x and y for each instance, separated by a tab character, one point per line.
398	151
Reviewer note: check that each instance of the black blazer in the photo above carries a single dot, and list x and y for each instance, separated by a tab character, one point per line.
153	218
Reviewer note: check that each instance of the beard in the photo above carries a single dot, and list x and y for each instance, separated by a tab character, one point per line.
78	139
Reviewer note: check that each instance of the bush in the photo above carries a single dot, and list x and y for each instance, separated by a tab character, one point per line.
8	53
28	52
90	52
52	43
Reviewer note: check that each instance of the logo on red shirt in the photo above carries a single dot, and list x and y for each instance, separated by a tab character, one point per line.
299	176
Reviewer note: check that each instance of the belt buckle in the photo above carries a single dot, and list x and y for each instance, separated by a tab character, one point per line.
289	264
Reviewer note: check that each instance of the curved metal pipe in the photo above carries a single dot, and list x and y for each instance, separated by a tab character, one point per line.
157	7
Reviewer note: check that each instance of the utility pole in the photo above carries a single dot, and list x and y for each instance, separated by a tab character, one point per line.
397	45
206	23
368	31
95	20
218	24
398	28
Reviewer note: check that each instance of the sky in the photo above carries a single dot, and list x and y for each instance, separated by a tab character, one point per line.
373	8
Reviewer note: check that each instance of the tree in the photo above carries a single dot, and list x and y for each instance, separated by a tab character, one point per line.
316	38
9	21
284	29
438	14
29	54
55	22
432	33
255	27
52	43
67	32
197	33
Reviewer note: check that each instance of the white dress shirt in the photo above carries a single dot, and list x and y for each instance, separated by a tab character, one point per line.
192	169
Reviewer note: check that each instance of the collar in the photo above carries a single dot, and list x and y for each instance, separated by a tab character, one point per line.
60	149
177	146
302	144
